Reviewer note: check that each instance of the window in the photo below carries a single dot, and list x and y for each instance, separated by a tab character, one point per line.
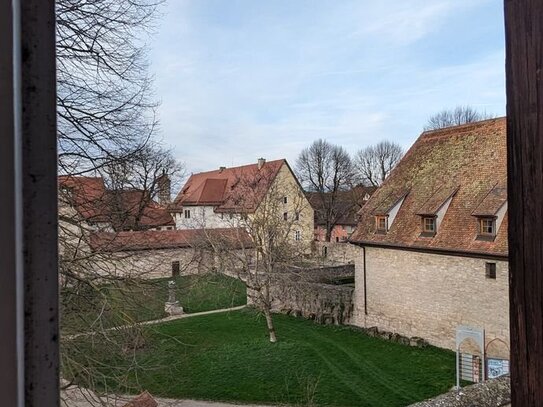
297	235
285	200
297	216
337	239
285	215
175	269
187	213
491	270
381	224
487	226
429	226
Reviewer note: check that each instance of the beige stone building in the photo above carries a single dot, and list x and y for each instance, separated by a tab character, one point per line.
246	196
433	240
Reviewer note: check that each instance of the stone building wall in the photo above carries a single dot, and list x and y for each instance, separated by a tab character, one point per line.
429	295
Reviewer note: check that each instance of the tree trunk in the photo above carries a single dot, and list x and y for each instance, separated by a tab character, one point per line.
269	323
328	236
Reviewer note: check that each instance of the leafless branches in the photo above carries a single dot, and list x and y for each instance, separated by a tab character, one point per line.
374	163
454	117
326	169
104	102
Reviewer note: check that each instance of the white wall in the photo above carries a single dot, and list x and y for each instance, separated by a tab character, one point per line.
204	217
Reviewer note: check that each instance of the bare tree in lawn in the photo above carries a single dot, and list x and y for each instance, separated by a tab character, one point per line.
454	117
326	170
374	163
268	238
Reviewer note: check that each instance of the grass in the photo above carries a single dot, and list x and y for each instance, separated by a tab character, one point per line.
227	357
109	305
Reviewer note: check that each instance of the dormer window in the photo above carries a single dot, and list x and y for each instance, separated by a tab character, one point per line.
381	224
487	227
429	226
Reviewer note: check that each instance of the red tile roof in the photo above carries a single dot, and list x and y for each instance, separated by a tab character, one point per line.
95	203
233	238
467	162
236	189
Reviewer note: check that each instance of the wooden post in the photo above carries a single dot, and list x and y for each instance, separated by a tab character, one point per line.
524	64
29	341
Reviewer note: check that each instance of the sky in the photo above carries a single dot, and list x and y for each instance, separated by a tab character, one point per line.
243	79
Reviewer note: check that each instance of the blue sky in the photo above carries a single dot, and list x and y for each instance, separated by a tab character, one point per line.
242	79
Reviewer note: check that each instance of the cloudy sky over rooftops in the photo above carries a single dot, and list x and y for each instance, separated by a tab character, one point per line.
241	79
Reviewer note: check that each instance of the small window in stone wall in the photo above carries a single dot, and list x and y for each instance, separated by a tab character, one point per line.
491	270
175	269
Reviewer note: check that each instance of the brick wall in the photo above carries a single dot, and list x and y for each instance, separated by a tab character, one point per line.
429	295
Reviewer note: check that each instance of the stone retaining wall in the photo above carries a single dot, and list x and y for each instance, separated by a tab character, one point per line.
312	294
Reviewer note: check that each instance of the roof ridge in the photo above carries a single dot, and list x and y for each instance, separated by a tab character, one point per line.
454	129
239	166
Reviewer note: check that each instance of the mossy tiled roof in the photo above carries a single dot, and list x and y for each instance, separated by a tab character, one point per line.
467	162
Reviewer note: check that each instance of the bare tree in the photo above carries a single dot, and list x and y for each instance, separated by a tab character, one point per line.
325	169
147	176
374	163
454	117
106	126
104	97
274	233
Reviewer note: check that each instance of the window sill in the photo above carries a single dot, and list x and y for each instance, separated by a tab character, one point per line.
486	238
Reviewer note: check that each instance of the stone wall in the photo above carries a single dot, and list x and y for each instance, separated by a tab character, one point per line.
341	253
157	263
429	295
314	294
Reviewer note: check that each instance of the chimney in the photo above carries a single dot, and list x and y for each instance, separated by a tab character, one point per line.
164	189
221	169
261	162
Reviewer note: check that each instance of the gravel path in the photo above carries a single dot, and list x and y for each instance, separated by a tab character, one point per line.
157	321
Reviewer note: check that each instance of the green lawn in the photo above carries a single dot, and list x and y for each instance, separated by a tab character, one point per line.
228	357
108	305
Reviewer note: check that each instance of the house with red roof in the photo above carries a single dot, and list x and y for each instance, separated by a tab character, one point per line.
433	240
344	212
88	200
232	197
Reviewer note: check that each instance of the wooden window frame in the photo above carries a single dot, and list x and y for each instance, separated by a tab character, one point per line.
29	344
378	219
425	232
481	233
